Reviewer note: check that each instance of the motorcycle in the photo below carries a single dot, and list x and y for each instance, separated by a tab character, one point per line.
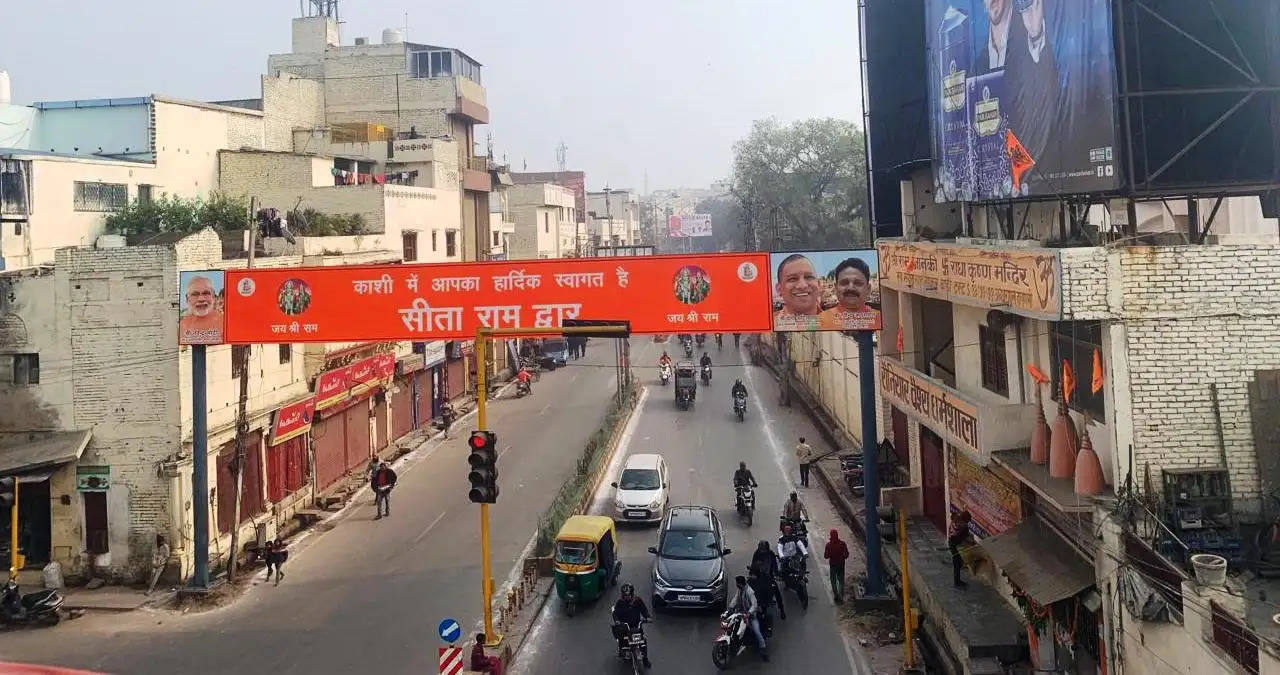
635	645
40	607
795	577
706	375
740	406
664	373
532	365
746	503
523	389
735	636
798	526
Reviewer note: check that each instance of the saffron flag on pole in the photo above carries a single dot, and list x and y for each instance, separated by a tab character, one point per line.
1068	380
900	340
1037	374
1020	161
1097	370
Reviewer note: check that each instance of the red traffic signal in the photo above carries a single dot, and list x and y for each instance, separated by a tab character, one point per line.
483	475
479	439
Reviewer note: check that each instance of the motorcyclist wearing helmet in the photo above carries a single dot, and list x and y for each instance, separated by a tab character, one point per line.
705	361
743	477
664	360
631	611
739	389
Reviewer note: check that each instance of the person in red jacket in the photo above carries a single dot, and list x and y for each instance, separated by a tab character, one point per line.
836	553
482	662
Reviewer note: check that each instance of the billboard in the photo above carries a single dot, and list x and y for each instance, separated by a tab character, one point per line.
689	225
657	294
1022	97
200	307
825	290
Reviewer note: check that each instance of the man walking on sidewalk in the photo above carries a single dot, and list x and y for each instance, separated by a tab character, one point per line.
384	479
804	454
836	553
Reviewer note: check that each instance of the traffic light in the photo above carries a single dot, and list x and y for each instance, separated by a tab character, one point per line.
484	467
8	486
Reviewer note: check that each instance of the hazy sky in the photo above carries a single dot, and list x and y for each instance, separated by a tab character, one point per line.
665	86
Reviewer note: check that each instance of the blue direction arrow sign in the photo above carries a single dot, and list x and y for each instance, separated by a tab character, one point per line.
450	630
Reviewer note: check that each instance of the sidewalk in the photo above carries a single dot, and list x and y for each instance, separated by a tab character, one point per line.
115	598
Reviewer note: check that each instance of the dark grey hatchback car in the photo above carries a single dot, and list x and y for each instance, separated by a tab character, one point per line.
689	570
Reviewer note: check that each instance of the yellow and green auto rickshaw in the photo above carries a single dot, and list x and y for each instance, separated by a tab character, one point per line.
586	559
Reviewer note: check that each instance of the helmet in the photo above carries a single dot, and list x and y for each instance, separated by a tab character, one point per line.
794	496
628	590
742	465
763	546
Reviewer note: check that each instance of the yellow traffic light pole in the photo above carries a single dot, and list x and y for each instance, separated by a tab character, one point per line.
13	533
492	639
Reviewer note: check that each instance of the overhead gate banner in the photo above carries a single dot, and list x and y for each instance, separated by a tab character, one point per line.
726	292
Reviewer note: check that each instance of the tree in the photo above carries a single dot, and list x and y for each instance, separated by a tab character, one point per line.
803	185
177	214
728	226
312	223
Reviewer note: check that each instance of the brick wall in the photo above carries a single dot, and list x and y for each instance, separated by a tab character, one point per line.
1197	315
1084	283
122	328
289	103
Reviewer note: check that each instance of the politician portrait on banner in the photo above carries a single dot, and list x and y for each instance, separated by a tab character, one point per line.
200	307
825	290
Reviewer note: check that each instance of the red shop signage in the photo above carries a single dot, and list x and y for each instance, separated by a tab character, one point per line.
292	420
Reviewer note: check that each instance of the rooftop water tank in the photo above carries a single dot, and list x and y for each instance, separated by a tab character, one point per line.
5	97
392	36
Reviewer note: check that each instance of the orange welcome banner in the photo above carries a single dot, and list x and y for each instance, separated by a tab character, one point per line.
727	292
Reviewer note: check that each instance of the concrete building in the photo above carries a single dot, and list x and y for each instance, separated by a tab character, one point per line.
543	214
502	222
415	91
614	218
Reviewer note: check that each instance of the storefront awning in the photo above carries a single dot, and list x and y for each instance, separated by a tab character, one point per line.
24	452
1039	562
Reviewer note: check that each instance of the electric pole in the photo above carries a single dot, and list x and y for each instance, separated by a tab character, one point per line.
242	421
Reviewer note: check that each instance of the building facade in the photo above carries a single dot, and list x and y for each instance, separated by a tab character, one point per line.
544	217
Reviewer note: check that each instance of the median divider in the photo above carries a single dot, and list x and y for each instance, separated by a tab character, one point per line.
517	610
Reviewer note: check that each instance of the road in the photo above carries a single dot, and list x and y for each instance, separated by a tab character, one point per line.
703	447
367	593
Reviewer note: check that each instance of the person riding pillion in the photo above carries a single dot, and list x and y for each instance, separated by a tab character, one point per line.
764	563
630	610
791	547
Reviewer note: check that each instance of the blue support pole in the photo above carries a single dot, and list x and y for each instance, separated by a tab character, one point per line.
199	469
870	461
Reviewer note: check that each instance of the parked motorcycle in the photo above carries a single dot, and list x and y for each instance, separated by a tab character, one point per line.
40	607
523	389
740	407
706	375
746	503
664	373
635	643
795	577
735	636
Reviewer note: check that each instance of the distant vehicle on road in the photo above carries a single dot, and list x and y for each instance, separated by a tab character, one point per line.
641	493
557	350
689	571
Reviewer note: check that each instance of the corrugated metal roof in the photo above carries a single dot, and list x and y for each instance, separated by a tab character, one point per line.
1039	562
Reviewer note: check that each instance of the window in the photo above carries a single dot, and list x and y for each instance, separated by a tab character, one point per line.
239	360
410	243
26	369
995	367
434	241
546	222
286	354
144	194
1075	342
100	196
496	238
450	243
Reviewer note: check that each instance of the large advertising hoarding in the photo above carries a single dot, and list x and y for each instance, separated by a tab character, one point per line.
1022	97
689	225
200	307
825	290
657	294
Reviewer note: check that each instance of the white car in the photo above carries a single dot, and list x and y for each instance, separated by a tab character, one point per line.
641	493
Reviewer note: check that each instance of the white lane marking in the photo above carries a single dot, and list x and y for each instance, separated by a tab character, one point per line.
600	501
782	458
545	408
428	529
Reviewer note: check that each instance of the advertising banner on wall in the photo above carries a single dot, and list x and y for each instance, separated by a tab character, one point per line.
1026	282
200	307
1022	97
657	294
825	290
689	225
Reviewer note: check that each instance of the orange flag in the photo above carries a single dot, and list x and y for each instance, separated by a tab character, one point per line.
1020	160
900	342
1068	380
1097	370
1036	374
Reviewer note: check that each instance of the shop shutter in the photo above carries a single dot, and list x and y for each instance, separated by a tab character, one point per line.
357	435
330	441
380	428
402	409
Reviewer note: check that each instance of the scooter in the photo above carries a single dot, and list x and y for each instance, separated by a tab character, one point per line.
706	375
40	607
523	389
746	504
740	406
735	636
664	373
